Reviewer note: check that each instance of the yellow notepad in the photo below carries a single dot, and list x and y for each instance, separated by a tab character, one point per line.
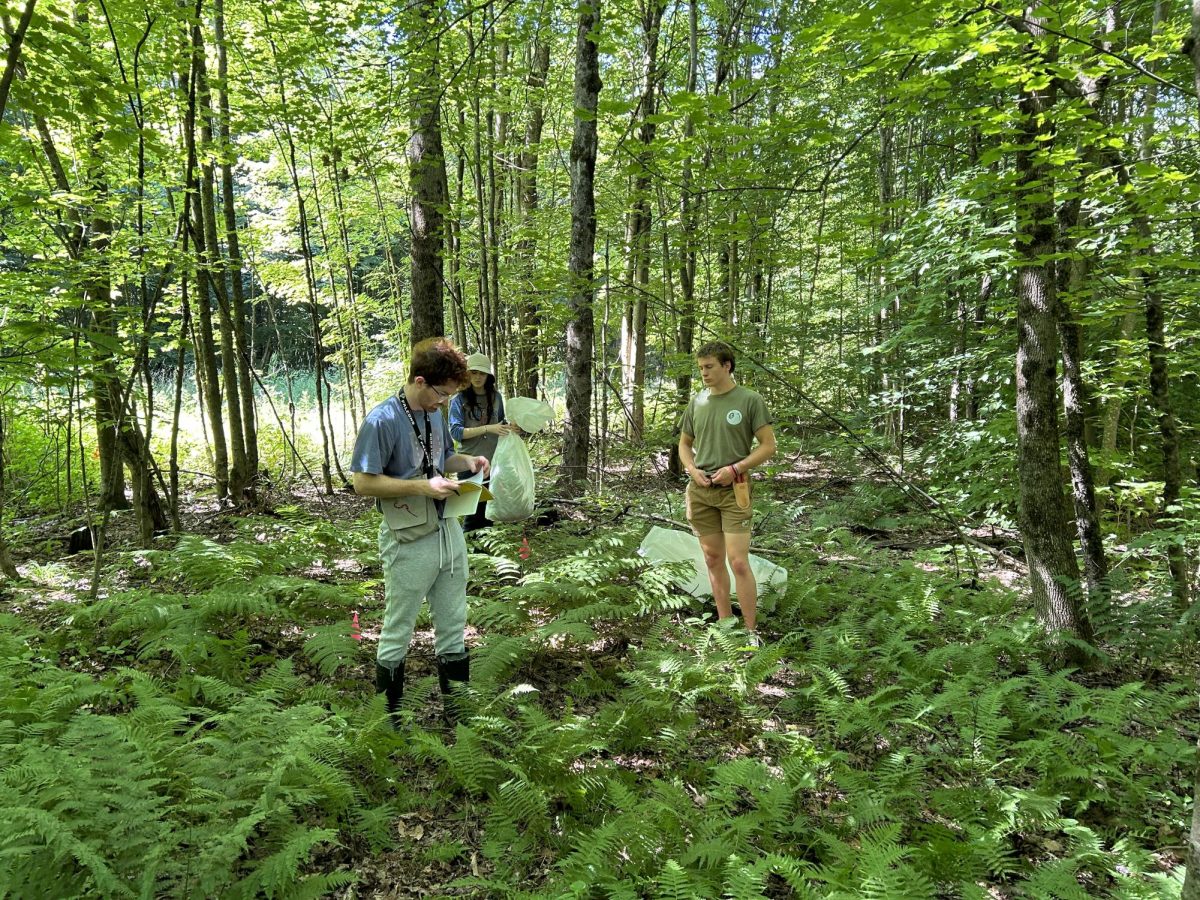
470	492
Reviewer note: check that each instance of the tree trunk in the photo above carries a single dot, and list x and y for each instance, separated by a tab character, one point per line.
1168	429
427	173
14	55
1156	345
177	407
685	313
206	356
1072	270
886	173
487	335
729	28
344	354
240	314
152	517
306	253
105	387
497	145
354	383
105	390
1112	410
1191	853
638	242
1194	49
961	339
580	262
1070	283
979	315
462	325
1044	523
685	333
7	567
239	475
529	314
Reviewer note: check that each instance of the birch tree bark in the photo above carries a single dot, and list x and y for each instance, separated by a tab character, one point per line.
1074	399
1044	523
581	260
1191	853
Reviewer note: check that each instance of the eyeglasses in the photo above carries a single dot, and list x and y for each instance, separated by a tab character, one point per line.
442	395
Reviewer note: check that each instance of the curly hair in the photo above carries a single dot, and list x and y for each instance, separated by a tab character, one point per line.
438	361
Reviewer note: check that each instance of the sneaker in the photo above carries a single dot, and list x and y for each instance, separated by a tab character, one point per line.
753	641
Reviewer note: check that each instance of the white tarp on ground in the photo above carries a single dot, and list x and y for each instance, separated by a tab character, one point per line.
666	545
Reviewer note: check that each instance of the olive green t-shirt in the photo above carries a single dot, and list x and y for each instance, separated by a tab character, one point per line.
722	426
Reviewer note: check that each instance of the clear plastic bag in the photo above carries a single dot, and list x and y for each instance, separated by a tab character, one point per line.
512	484
528	414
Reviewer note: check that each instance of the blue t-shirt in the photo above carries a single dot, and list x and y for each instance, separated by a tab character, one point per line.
463	416
386	444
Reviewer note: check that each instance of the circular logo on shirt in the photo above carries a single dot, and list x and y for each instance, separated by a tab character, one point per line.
734	417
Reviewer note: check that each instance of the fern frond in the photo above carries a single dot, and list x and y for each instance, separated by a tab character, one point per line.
742	881
674	883
579	632
522	802
794	872
226	603
201	561
279	874
329	647
497	615
493	661
56	835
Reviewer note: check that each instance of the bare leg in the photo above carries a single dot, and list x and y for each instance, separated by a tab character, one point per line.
713	546
737	547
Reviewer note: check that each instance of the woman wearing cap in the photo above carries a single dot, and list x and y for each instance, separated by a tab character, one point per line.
477	421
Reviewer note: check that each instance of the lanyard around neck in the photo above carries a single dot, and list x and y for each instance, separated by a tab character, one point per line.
426	445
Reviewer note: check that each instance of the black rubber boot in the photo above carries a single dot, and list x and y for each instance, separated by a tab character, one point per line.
391	682
450	669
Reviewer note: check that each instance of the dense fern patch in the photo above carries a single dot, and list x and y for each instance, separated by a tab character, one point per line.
210	731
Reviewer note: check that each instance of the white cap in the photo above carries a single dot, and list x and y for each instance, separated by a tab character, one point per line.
477	362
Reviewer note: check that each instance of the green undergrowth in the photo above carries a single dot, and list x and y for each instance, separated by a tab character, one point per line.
210	731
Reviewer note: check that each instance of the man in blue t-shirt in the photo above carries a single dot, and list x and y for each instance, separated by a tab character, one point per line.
401	458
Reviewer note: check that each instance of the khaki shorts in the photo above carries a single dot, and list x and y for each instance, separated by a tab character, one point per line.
713	510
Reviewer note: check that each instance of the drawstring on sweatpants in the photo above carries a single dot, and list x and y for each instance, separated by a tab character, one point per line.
444	547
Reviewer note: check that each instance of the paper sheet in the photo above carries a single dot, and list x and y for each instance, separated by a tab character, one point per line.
470	492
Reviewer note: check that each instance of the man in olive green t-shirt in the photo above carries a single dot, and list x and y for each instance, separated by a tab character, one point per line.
717	448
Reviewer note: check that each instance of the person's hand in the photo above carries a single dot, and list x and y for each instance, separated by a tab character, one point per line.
724	476
500	429
700	478
440	487
479	464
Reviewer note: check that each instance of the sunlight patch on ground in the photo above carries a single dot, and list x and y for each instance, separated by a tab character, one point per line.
53	582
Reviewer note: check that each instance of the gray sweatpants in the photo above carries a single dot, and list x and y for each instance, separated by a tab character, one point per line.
433	567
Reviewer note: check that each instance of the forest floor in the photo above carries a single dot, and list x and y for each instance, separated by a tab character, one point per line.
846	541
